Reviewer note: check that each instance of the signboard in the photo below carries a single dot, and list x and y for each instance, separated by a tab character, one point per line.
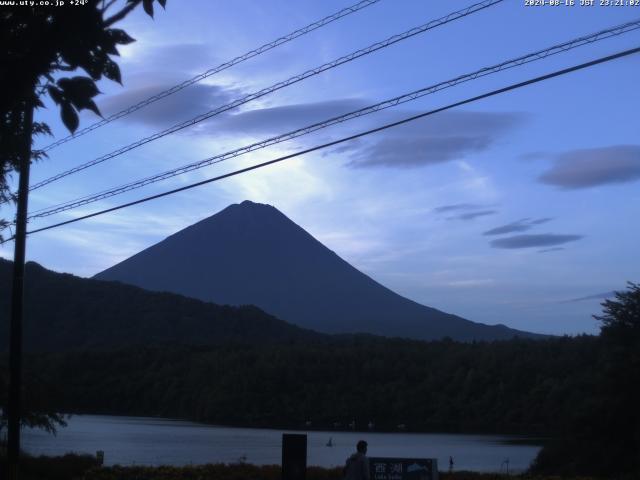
294	456
403	468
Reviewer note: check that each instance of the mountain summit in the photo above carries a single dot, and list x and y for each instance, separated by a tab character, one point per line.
251	253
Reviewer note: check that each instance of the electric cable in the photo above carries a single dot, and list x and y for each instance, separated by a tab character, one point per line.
492	93
522	60
266	91
223	66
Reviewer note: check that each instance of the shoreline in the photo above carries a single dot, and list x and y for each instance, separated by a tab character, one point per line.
536	435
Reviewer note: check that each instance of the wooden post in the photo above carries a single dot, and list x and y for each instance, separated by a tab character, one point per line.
14	405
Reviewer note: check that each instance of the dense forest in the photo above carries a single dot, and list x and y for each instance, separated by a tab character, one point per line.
517	386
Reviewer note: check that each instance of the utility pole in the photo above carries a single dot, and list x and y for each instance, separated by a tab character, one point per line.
17	297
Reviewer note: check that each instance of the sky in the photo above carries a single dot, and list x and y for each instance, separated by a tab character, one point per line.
519	209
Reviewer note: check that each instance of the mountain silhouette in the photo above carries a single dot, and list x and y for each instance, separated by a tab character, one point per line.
64	312
252	254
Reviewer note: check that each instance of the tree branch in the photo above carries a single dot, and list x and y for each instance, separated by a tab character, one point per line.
107	6
121	14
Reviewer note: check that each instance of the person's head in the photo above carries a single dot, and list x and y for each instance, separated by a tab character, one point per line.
362	446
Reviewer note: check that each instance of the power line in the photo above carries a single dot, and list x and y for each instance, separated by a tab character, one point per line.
525	59
223	66
290	81
351	137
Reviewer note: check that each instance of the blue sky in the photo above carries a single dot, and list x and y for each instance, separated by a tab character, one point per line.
505	211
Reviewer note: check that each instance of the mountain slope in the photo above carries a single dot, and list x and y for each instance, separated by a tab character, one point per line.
64	312
253	254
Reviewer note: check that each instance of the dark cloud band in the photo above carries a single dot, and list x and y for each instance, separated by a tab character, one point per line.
473	215
594	167
446	137
528	241
519	226
457	206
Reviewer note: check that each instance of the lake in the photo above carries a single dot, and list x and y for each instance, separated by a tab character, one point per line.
157	441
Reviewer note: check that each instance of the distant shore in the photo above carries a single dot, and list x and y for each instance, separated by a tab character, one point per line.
528	438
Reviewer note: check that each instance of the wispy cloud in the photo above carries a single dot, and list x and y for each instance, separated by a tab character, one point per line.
450	136
528	241
548	250
595	296
517	226
473	215
183	105
280	119
469	211
475	282
457	206
593	167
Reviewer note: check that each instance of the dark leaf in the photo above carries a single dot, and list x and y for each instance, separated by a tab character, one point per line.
120	36
40	128
95	66
91	105
109	46
162	3
112	71
74	55
148	7
78	87
56	94
79	91
69	117
37	155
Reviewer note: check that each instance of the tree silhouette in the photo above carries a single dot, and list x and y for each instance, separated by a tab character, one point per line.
620	320
603	435
620	385
39	44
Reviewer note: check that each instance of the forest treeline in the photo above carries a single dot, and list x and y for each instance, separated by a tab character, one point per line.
516	386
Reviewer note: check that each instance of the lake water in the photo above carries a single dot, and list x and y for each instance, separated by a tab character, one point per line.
154	441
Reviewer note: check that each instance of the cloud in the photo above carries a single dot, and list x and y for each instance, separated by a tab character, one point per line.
540	221
453	135
528	241
285	118
343	148
554	249
445	137
593	167
476	282
417	151
435	141
199	98
183	105
596	296
472	210
518	226
457	206
473	215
